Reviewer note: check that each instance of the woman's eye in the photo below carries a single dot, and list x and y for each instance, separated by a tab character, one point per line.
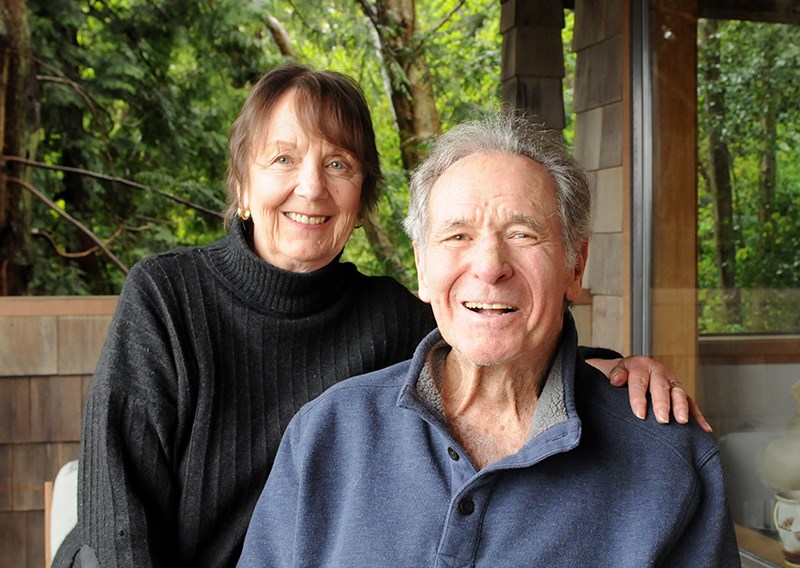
282	160
337	165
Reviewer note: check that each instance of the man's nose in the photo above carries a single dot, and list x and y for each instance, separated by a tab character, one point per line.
490	262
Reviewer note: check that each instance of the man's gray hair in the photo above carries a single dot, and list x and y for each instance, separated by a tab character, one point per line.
504	131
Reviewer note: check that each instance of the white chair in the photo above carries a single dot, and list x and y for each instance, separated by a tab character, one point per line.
60	508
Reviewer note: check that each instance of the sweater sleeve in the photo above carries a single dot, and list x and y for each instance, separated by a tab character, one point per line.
128	494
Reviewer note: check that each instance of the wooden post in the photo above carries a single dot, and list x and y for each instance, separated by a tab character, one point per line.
532	66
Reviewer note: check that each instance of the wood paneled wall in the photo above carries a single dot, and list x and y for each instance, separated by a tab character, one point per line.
532	67
601	131
48	351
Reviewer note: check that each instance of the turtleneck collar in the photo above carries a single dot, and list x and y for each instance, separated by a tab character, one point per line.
272	289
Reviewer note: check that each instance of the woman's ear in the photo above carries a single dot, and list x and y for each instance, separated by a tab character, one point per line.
243	198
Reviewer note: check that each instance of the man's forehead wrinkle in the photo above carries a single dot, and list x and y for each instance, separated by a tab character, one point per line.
507	220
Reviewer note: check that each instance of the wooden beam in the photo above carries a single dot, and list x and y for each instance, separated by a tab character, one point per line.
773	11
674	318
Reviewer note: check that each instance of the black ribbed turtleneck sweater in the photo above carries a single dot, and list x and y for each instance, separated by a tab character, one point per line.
210	353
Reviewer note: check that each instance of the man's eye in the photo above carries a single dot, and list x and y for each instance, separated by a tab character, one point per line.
524	236
282	160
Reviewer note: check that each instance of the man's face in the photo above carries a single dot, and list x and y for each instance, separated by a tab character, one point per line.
494	268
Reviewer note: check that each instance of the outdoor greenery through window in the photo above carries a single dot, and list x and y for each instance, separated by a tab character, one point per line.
748	178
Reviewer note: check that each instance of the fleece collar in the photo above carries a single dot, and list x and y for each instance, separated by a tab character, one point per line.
555	425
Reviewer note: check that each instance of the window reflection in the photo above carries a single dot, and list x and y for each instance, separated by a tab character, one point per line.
748	261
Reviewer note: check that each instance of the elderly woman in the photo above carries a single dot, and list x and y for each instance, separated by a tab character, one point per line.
496	445
213	349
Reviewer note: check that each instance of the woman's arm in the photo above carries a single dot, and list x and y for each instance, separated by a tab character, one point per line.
128	496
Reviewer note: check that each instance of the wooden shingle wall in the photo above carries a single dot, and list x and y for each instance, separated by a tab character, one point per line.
532	67
532	74
600	133
48	351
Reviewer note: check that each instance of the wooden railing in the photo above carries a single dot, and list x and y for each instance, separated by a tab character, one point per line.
49	347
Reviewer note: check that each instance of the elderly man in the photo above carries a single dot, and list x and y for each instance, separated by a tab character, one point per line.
496	445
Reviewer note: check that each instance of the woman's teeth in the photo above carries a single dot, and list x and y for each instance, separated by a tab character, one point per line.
305	219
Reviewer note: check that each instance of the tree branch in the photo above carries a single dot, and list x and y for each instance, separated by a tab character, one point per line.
60	77
115	179
443	21
370	12
97	240
281	37
71	255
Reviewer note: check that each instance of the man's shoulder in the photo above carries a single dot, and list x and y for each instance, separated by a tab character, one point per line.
350	416
353	405
603	407
383	385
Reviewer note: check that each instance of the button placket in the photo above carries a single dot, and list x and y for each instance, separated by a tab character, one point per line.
462	529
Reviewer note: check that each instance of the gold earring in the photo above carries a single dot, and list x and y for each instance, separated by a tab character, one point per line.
359	224
244	215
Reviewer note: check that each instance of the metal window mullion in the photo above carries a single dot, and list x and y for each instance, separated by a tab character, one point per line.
641	179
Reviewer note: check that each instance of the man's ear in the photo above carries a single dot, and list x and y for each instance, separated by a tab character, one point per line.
576	282
424	291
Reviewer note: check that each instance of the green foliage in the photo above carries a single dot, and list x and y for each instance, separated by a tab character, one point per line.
146	90
462	48
758	76
570	59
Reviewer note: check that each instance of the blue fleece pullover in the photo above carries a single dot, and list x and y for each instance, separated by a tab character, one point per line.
368	475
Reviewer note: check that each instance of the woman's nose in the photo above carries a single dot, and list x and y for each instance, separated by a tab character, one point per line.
311	181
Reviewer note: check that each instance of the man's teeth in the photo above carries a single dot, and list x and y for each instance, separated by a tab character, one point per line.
481	306
305	219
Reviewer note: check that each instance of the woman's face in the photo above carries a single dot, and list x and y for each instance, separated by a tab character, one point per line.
303	194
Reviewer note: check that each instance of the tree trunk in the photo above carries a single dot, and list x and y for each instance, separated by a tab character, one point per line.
767	171
15	212
768	167
767	179
410	84
719	178
413	103
411	94
74	190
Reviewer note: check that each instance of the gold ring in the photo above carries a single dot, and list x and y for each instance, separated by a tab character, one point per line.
674	384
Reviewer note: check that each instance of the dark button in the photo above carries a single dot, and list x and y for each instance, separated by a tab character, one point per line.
466	506
453	454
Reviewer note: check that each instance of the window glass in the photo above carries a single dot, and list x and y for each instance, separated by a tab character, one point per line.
748	265
748	177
